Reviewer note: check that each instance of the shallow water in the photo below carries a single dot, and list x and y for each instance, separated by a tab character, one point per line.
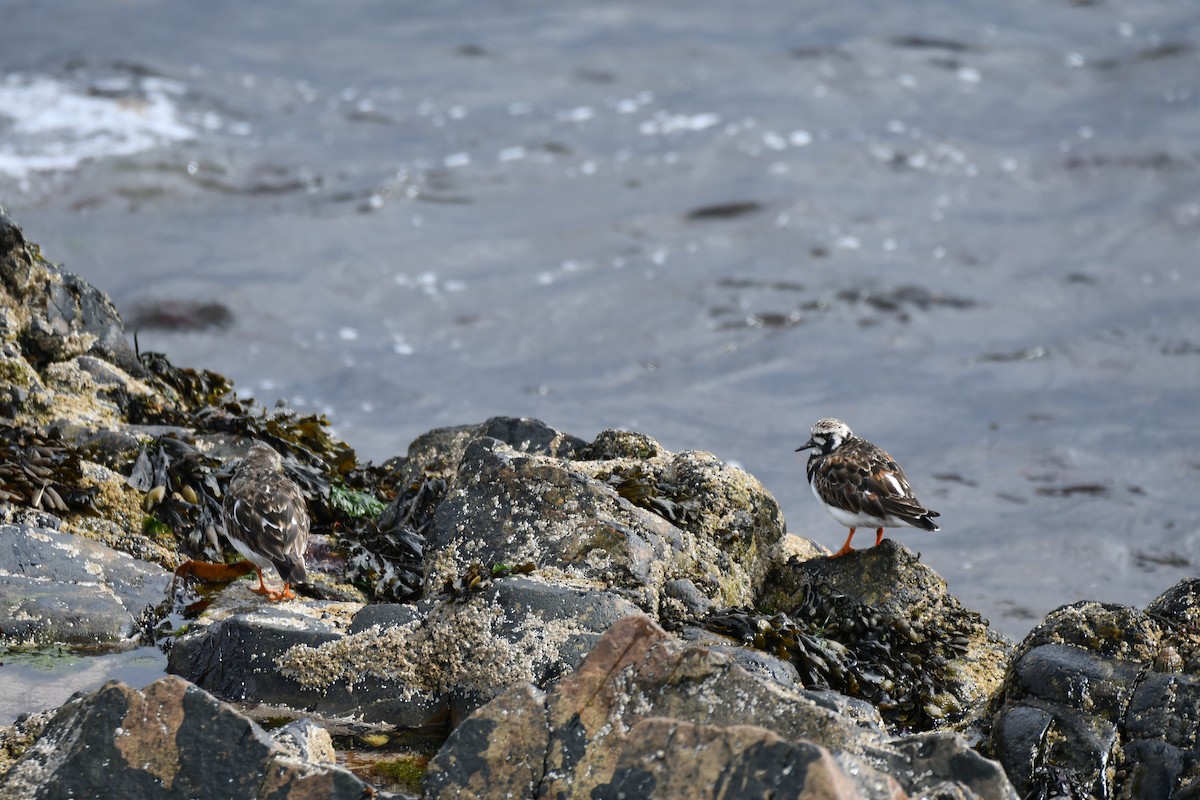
968	230
38	680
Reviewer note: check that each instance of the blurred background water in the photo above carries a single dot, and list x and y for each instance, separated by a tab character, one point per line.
969	229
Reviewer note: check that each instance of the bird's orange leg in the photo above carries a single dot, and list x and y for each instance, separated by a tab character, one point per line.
846	548
271	594
878	536
262	586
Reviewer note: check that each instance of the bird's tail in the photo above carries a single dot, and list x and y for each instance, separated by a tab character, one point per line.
291	570
924	520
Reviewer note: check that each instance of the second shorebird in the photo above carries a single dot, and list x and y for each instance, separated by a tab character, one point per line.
267	520
859	484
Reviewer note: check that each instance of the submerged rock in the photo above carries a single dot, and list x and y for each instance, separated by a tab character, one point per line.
170	739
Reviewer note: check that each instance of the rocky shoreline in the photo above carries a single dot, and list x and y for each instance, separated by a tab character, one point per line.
511	611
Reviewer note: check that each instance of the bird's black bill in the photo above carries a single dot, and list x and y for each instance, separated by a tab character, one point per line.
807	446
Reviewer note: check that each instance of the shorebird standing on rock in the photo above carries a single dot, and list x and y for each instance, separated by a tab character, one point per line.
266	519
859	484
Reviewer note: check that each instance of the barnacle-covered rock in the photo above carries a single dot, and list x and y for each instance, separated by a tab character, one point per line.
403	664
879	625
1103	700
233	648
54	314
631	523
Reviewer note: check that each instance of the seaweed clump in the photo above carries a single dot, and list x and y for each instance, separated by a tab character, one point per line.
836	642
385	556
42	472
183	488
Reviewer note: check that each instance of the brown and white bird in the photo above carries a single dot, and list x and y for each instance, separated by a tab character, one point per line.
859	484
266	519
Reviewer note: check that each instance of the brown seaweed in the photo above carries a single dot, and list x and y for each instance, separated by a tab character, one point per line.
41	471
837	642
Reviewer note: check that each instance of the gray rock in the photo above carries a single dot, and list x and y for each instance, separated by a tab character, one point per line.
699	533
439	452
753	661
67	315
169	740
942	764
234	649
408	665
59	588
644	716
402	664
384	615
1104	699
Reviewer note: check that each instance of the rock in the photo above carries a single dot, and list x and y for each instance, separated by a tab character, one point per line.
396	663
645	715
636	676
59	588
20	736
234	649
673	532
409	664
61	314
671	759
67	342
439	452
170	739
1104	699
943	765
753	661
867	618
475	761
305	740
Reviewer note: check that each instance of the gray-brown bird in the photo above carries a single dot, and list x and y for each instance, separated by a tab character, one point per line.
266	519
859	484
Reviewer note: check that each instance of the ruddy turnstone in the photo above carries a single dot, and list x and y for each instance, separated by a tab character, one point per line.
859	484
266	519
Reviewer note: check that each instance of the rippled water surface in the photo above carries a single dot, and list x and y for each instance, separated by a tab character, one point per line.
969	229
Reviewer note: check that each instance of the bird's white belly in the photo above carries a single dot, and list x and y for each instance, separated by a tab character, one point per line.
261	561
852	519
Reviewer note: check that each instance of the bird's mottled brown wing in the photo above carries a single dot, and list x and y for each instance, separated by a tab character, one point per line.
863	479
266	511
